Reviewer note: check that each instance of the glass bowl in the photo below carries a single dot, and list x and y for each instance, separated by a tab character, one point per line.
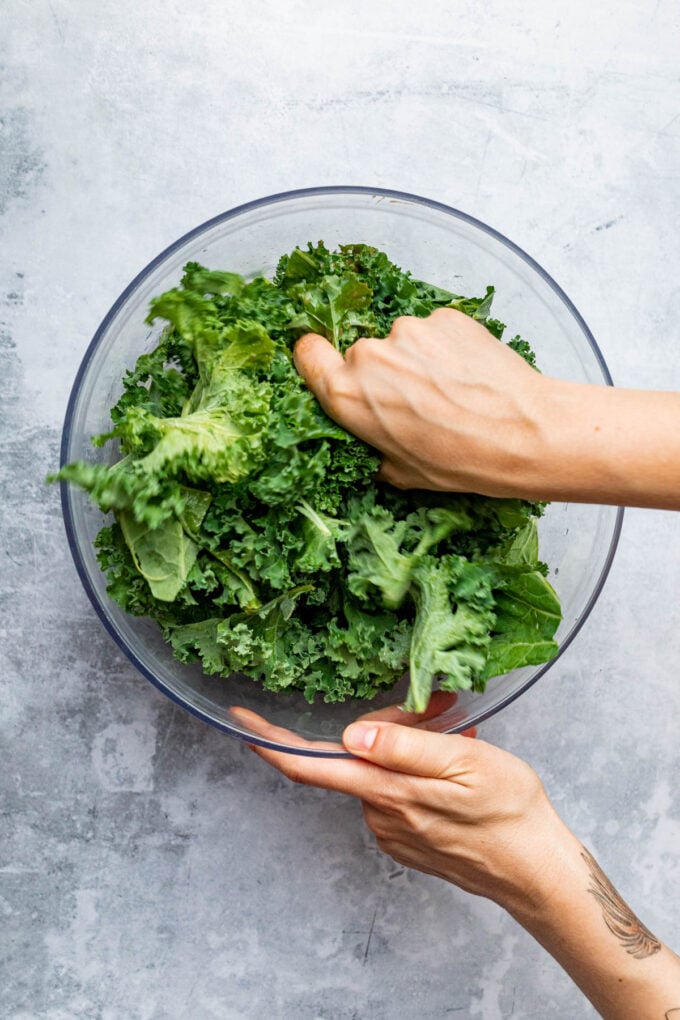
436	243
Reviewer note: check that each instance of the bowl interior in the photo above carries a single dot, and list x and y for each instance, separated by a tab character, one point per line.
436	244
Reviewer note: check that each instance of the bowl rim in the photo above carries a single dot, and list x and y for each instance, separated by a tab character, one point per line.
275	199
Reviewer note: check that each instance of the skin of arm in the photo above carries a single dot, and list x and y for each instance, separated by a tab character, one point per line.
476	816
452	408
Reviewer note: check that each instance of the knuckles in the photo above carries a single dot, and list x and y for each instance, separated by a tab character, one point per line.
388	473
405	324
389	810
387	799
360	350
339	388
445	314
297	775
390	848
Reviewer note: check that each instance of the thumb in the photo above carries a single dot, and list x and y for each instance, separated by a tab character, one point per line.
410	750
317	361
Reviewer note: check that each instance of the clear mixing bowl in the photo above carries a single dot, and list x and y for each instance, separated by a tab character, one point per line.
437	244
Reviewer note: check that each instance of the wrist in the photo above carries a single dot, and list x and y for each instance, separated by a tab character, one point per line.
576	455
554	866
570	445
600	444
549	857
518	433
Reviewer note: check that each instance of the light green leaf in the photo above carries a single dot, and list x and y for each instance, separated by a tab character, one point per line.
163	556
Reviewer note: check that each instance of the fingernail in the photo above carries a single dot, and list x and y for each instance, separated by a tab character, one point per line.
360	737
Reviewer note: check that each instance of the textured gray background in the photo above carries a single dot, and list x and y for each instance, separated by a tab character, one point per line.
150	867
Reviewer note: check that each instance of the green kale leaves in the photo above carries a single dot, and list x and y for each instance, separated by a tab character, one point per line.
251	527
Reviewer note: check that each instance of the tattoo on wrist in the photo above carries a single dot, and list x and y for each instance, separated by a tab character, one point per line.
635	938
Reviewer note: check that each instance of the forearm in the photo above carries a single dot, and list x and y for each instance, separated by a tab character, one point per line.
600	444
478	817
450	408
625	971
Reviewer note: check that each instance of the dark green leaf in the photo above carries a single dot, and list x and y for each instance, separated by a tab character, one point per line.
251	526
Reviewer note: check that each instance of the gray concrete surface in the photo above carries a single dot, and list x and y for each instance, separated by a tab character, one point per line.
150	867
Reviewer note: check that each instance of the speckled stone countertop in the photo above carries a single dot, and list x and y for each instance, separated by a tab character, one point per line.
151	868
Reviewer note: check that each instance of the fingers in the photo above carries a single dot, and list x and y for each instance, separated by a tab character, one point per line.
375	778
258	726
412	476
411	751
344	775
317	361
399	475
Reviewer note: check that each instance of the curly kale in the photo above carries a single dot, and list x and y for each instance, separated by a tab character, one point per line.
251	527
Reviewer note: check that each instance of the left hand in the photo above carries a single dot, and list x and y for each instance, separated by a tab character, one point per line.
457	808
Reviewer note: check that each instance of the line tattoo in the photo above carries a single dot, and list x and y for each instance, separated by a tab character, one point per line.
635	938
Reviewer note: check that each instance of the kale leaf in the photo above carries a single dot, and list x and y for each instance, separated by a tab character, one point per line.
251	527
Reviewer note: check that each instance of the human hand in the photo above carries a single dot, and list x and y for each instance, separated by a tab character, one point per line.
476	816
446	805
448	405
452	408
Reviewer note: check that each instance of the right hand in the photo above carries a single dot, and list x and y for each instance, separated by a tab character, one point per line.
447	404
